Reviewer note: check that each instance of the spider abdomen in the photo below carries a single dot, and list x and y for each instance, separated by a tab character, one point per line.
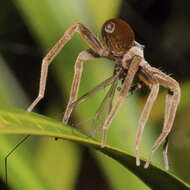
118	36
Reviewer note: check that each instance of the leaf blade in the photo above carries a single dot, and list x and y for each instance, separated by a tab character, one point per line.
22	122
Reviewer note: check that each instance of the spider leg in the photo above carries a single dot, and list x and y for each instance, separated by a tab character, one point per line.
83	56
165	153
43	79
90	39
165	145
171	103
144	117
133	68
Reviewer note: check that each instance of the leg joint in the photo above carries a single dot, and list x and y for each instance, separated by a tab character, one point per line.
40	96
85	55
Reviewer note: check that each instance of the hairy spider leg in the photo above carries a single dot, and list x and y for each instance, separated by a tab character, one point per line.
83	56
85	33
168	104
154	89
133	68
165	153
172	101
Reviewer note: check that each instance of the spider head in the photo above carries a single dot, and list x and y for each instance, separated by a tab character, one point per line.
118	36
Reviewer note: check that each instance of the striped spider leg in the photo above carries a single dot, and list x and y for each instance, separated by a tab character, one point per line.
94	44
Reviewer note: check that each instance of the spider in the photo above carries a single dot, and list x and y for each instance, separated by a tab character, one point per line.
128	56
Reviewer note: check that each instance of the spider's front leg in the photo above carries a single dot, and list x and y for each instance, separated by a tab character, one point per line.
91	40
83	56
132	69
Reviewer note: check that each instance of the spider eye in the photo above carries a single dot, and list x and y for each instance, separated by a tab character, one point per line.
110	27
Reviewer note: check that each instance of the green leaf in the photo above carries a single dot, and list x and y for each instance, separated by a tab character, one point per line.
21	167
27	173
22	122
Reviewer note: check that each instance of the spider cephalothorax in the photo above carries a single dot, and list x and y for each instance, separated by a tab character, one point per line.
128	56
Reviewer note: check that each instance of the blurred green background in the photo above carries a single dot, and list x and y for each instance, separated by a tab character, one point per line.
28	29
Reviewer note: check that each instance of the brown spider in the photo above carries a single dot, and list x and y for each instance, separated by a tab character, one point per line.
128	56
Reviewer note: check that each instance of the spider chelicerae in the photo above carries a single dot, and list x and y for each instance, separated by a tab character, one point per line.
120	47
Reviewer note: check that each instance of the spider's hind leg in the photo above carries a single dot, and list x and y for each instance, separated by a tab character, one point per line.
133	68
165	145
172	101
165	153
144	117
